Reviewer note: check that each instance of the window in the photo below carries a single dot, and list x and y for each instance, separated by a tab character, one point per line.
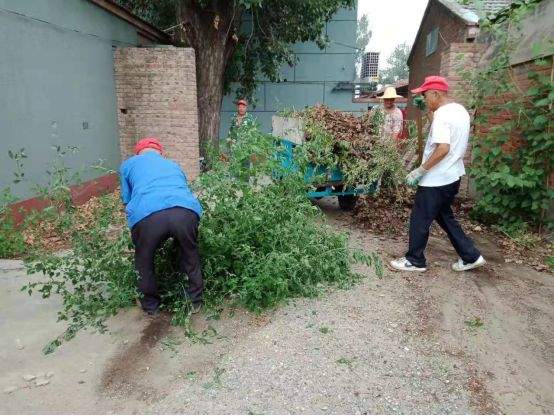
432	41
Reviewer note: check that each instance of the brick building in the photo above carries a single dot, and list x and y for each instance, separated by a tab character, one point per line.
449	41
446	41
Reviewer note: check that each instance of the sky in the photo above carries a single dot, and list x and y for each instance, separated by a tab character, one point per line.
392	22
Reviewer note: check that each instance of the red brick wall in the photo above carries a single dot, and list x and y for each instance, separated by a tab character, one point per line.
156	97
521	83
456	59
451	30
459	57
80	194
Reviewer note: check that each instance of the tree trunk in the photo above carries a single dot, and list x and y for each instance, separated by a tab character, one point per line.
210	72
211	31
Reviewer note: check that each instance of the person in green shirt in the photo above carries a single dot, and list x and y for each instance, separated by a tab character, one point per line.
240	119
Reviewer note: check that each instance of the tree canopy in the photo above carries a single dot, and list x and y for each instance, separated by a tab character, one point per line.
238	41
397	65
363	36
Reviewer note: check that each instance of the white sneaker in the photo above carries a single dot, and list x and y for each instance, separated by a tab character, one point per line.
405	265
460	266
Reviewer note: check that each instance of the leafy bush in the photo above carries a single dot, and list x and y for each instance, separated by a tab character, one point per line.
12	243
17	240
261	242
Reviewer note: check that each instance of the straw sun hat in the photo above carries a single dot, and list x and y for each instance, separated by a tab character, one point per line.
390	92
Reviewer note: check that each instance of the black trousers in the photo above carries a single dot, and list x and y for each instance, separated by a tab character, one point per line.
149	233
435	203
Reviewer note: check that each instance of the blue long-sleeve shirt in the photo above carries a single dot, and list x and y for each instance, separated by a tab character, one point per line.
151	183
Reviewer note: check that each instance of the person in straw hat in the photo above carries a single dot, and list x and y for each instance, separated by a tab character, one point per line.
392	119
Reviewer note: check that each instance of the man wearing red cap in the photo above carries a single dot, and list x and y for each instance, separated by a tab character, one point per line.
159	205
438	180
240	118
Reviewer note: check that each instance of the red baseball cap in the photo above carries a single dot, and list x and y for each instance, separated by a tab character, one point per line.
432	83
241	101
148	143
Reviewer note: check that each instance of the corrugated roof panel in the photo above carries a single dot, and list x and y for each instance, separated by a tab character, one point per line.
489	7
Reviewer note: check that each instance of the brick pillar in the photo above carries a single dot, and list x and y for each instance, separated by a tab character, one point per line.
156	97
457	58
460	57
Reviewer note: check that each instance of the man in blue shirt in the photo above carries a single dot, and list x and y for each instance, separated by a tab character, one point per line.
160	205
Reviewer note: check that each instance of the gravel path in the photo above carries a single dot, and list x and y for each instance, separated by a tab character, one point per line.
439	343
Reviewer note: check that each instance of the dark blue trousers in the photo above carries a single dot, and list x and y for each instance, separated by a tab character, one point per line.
149	233
435	204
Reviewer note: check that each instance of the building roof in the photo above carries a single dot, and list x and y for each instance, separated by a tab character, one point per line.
467	14
491	7
471	12
143	27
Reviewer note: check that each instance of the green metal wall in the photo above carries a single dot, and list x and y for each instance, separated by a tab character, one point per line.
311	80
57	84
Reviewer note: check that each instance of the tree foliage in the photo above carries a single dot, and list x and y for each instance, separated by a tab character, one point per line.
239	41
160	13
363	36
397	65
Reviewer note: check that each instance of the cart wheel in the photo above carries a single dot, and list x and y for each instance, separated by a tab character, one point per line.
347	202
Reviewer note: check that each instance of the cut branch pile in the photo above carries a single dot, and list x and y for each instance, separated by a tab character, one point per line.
359	131
355	145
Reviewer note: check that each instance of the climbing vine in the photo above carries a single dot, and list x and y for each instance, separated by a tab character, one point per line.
513	160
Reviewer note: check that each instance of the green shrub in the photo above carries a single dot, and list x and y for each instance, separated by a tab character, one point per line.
12	243
261	242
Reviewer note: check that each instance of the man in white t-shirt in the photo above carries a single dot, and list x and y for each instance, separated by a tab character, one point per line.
438	180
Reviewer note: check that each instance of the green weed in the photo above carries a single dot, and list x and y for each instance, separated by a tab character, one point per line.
346	361
324	329
475	323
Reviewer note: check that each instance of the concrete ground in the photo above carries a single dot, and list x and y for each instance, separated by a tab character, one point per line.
476	342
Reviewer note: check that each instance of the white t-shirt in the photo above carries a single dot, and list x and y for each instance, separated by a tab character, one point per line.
450	125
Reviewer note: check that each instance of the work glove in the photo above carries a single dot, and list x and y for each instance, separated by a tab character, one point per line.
413	178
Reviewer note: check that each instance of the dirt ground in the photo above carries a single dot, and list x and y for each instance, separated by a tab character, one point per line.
441	342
